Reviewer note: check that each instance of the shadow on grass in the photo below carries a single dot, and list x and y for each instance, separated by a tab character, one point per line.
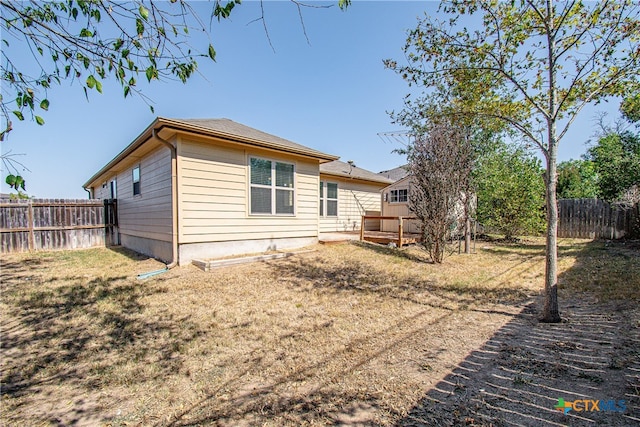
393	252
82	333
517	376
361	277
304	395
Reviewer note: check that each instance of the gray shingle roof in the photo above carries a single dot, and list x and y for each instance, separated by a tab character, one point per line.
237	130
343	169
396	174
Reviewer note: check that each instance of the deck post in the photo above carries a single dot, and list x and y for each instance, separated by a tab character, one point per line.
399	232
362	228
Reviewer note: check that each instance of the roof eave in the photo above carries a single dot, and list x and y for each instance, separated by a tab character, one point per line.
179	126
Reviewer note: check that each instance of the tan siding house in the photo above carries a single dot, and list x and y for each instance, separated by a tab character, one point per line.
203	188
395	202
346	193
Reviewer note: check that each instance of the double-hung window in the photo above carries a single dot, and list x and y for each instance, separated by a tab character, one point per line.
398	196
328	199
272	187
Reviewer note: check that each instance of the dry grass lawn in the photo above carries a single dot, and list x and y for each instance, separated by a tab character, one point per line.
353	334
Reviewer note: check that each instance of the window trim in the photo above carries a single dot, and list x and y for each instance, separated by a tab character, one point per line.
134	182
273	187
397	200
324	198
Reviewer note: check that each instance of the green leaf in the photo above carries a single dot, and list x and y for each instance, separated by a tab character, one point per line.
99	86
91	82
85	33
44	104
118	44
127	89
18	115
39	120
151	73
212	52
139	26
11	180
144	12
152	109
19	182
22	185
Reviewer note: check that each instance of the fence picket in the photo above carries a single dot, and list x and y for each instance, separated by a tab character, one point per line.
595	219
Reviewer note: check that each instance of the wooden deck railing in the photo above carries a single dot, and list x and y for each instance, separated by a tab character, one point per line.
400	220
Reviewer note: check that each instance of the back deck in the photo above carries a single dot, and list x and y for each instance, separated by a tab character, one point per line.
385	237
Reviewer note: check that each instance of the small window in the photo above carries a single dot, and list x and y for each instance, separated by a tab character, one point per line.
136	180
272	187
328	199
113	189
398	196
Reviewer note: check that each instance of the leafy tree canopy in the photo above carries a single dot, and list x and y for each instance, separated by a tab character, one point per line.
630	107
577	179
616	159
510	191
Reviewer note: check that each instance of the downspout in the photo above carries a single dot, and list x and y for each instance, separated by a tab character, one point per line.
174	198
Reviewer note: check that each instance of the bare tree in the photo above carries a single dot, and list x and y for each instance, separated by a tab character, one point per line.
440	168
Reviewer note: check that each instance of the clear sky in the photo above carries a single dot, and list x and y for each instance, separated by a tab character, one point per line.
331	94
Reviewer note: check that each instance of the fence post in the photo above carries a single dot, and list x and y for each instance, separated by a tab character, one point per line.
362	228
399	232
30	224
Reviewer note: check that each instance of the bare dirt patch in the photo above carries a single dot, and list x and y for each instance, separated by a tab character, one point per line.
352	334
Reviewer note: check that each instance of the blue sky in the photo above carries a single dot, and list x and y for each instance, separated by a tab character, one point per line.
331	94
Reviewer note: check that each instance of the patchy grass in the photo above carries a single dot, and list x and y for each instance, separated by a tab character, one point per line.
353	333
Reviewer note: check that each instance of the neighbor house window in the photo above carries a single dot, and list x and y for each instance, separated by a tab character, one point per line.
272	187
136	180
328	199
398	196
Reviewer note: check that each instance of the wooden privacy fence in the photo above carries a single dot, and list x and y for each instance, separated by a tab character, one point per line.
596	219
46	224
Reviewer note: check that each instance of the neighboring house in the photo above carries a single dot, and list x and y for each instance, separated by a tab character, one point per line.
203	188
395	202
346	193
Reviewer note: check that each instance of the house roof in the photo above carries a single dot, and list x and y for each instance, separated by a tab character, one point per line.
229	128
220	128
342	169
397	173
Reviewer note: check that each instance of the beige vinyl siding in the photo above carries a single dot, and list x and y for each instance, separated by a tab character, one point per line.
354	199
101	192
397	209
214	195
147	215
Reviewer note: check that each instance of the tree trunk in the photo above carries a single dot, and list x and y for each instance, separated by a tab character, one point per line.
467	222
551	313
